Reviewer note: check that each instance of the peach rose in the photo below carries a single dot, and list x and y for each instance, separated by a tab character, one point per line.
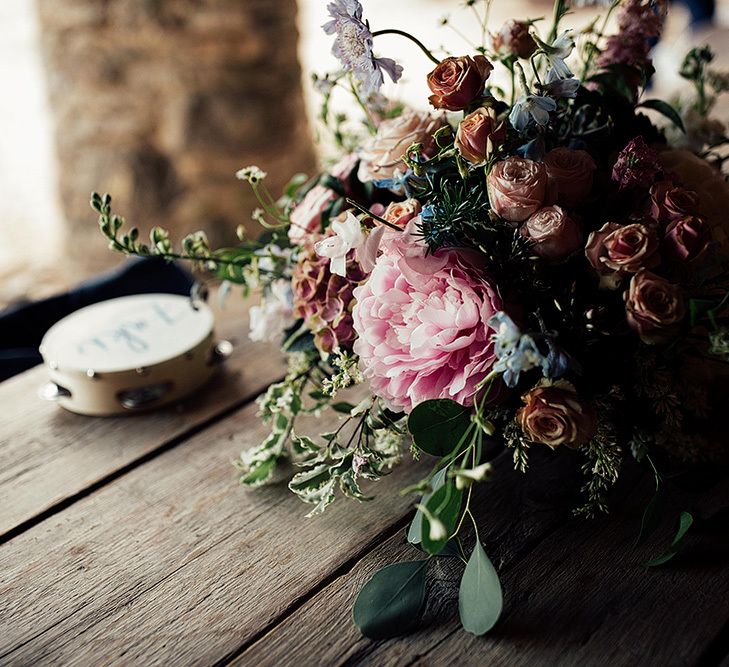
401	212
456	82
479	134
514	40
517	188
382	156
554	415
556	235
306	217
616	250
570	174
686	238
654	307
670	202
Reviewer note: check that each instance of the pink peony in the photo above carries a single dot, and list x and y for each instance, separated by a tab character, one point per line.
421	325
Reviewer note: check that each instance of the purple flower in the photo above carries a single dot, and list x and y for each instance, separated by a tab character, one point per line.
637	164
353	46
557	87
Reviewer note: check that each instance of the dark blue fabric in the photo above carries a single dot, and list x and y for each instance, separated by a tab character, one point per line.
23	326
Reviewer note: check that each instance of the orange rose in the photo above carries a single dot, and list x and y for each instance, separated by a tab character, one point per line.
456	82
479	134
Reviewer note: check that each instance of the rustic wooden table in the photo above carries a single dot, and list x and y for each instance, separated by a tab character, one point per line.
127	541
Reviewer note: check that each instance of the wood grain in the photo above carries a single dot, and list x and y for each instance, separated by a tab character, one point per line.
174	564
48	455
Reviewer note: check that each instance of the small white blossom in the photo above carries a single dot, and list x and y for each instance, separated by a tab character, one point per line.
275	313
251	174
348	235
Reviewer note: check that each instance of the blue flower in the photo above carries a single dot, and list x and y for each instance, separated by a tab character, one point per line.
557	87
528	107
353	47
517	353
557	52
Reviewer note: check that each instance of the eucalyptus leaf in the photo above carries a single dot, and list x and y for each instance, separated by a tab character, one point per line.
415	532
665	109
437	426
343	407
480	599
444	505
684	523
389	604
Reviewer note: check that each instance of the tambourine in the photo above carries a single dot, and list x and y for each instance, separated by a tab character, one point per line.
131	354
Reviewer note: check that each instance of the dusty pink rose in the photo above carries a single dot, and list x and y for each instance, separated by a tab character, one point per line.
554	415
421	325
478	134
382	156
570	173
456	82
401	212
306	216
654	307
325	300
556	235
670	202
617	250
514	40
686	238
517	188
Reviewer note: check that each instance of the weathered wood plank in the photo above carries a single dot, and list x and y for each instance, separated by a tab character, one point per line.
521	511
48	455
583	597
174	564
578	597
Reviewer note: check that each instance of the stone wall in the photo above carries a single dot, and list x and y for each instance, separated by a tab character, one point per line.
159	102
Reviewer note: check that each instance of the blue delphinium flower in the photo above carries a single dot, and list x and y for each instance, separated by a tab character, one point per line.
528	107
353	46
517	353
557	88
557	52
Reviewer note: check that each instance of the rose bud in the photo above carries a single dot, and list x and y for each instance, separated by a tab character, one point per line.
456	82
517	188
570	174
686	238
654	307
514	40
479	134
556	235
401	212
306	217
615	250
554	415
669	202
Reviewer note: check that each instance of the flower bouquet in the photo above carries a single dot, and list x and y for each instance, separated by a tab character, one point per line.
516	267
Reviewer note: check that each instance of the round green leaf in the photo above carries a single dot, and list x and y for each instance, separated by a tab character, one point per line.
480	600
437	426
389	604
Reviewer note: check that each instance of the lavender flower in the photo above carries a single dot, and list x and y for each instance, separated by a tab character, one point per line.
528	107
558	88
353	46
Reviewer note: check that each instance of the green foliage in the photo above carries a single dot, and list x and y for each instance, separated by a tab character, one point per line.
685	522
437	426
665	109
415	531
389	605
443	509
480	599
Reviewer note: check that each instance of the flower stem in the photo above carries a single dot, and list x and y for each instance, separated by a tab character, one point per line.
407	35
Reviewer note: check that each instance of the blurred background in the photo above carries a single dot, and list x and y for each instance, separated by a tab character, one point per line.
159	102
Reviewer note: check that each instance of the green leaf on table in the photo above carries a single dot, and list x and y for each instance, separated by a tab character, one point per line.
437	426
684	523
445	506
343	407
665	109
415	532
651	516
389	604
480	599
